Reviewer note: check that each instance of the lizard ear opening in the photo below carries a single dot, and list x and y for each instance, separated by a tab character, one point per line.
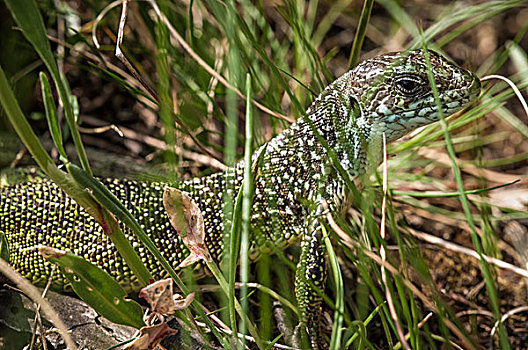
355	109
352	102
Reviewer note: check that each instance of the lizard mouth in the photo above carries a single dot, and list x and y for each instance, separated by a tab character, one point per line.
429	111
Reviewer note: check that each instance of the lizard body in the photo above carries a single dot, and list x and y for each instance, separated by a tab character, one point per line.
388	94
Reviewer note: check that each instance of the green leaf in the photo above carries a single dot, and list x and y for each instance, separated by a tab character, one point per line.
51	114
97	288
74	102
4	247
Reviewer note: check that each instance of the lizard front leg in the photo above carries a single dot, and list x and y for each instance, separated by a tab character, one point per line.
310	277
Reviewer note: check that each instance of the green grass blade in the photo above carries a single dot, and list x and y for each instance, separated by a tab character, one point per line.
234	251
337	329
239	22
360	33
473	15
489	280
313	93
247	202
164	93
397	12
520	61
361	332
454	194
232	209
235	239
325	24
27	16
51	116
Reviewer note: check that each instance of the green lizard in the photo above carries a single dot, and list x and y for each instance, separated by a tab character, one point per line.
387	94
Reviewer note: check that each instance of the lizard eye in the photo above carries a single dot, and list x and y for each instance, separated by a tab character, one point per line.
409	85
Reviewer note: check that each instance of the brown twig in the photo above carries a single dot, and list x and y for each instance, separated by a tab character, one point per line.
489	175
121	56
38	320
159	144
127	77
469	252
100	130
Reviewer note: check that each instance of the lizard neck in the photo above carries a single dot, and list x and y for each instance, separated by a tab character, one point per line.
299	156
338	118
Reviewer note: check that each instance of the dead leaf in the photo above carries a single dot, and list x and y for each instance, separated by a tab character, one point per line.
150	336
187	220
50	252
513	198
160	296
183	303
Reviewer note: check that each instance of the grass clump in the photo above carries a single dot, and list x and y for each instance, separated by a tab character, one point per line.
194	96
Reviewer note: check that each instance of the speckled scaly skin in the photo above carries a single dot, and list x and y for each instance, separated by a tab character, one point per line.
388	94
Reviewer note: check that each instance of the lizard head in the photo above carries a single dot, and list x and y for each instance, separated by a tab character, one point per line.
394	94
